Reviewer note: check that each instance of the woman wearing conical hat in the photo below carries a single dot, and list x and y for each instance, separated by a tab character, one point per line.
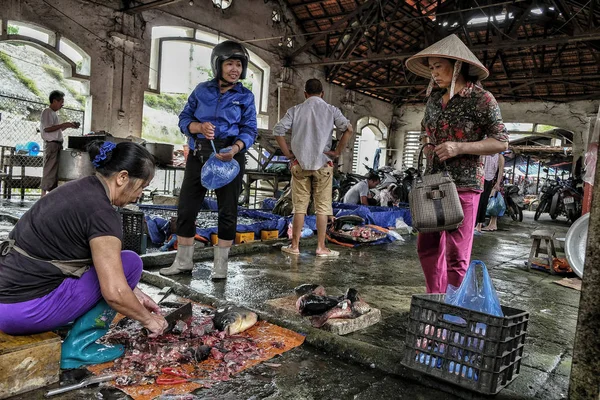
463	121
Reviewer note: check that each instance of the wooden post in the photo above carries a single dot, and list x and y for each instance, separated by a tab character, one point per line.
585	372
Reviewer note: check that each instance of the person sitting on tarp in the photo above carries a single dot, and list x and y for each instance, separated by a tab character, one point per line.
360	193
63	260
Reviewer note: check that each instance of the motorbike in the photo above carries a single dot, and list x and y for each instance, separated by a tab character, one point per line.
569	200
514	202
407	180
550	189
344	182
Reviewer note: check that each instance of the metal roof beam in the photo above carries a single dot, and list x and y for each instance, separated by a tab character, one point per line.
355	39
147	6
537	79
479	47
335	26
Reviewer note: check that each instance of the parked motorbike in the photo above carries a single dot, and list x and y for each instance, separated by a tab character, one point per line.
550	188
514	202
569	200
345	182
408	177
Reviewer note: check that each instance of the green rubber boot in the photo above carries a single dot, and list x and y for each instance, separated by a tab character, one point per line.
80	348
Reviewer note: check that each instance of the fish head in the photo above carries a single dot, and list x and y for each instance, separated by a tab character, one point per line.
243	321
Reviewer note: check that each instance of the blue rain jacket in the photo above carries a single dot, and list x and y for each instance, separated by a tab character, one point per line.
233	113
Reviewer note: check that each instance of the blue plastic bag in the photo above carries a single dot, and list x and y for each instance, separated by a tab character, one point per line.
475	295
496	205
217	173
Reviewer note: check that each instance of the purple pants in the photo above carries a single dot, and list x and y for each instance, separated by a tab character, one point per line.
73	298
445	255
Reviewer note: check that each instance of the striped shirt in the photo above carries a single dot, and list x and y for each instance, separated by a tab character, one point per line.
490	167
312	125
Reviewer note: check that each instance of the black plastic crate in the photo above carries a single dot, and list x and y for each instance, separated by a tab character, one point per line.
133	230
482	354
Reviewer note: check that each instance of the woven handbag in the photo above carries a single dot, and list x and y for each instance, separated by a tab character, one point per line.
434	202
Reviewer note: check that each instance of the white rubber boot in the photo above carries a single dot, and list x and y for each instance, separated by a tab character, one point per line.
220	263
184	261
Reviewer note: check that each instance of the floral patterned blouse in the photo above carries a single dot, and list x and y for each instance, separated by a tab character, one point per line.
470	116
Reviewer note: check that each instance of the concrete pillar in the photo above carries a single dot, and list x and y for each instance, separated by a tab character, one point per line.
585	372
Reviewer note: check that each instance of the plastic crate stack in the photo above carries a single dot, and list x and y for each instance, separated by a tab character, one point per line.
133	230
480	352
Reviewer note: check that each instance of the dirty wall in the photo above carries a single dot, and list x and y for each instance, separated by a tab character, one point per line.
577	116
119	46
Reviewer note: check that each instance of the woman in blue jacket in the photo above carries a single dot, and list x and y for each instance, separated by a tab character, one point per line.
221	110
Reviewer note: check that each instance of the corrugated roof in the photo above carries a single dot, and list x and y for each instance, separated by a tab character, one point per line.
544	50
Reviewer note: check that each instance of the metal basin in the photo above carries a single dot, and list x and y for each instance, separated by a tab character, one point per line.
74	164
576	242
162	152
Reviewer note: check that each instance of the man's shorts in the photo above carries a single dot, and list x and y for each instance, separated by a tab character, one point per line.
316	183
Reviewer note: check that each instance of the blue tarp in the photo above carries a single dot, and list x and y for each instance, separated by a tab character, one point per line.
376	215
269	203
159	226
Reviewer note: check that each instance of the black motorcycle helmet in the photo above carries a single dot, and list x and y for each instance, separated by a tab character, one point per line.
226	50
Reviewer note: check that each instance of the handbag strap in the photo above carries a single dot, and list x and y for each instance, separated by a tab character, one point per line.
420	162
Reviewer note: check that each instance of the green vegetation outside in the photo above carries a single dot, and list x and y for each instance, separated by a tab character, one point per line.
29	83
544	128
172	103
57	74
160	133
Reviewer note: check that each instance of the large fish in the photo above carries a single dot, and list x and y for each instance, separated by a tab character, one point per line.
342	310
312	304
359	306
234	319
308	288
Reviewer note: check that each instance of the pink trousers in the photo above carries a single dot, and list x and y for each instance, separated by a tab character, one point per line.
445	255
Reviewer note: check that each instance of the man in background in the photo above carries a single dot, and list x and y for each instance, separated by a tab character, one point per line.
359	193
493	170
311	160
51	131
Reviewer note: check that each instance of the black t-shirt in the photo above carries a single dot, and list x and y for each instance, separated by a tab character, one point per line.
59	226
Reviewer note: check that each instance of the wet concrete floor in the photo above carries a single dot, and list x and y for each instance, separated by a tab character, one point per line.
365	364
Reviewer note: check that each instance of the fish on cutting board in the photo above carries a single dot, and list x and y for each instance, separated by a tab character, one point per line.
312	304
308	288
359	306
233	320
342	310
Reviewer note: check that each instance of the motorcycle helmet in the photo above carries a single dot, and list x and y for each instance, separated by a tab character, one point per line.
226	50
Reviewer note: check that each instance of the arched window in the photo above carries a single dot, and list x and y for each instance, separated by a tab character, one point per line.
371	135
33	62
180	60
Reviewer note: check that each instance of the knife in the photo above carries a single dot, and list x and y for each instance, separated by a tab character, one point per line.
182	313
86	382
164	293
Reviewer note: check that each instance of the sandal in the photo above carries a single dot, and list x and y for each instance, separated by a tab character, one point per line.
488	230
330	253
289	250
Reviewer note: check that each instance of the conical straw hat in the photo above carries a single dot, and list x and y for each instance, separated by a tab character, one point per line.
449	47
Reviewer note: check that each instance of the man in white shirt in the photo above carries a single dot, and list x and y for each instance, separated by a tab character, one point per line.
359	193
310	158
51	131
